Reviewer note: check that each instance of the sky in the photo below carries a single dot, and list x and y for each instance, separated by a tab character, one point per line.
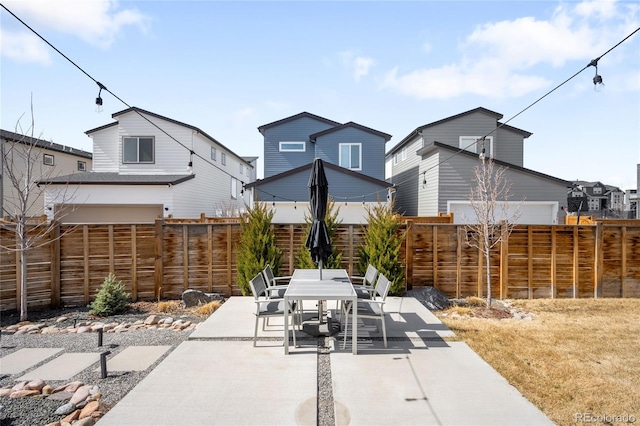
230	67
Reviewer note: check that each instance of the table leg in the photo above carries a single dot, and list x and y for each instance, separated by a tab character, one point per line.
354	326
286	326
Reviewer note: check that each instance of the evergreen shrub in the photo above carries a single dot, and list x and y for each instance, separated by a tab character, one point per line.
111	299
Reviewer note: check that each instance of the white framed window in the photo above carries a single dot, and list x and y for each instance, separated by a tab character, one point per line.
223	158
597	190
48	160
293	146
404	153
138	149
234	188
82	166
214	153
350	156
594	204
241	168
395	158
474	144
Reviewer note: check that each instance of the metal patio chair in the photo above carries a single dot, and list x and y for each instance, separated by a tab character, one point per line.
370	308
267	307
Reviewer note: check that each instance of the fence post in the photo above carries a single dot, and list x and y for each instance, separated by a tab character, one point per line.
459	262
599	262
158	270
504	261
554	262
185	257
134	263
623	260
576	259
229	259
408	270
434	255
55	265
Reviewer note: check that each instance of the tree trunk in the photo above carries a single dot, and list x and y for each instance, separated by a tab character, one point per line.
488	258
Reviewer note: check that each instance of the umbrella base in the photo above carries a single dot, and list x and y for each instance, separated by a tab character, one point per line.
327	328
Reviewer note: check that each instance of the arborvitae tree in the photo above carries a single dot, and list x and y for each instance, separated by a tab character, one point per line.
257	246
303	257
382	243
111	299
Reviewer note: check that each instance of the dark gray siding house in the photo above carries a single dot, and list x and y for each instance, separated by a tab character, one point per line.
353	155
435	163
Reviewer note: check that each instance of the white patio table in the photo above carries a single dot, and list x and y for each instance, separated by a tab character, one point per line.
306	284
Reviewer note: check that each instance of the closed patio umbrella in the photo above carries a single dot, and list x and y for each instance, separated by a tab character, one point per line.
318	241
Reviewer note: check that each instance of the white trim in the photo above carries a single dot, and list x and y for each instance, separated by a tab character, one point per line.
137	141
282	145
465	141
359	145
48	159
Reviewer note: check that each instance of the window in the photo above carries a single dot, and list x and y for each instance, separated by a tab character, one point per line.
351	156
223	158
395	158
234	188
82	166
404	154
47	159
594	204
214	153
292	147
473	144
597	190
138	150
241	168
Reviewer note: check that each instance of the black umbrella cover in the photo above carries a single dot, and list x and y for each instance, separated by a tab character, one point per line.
318	241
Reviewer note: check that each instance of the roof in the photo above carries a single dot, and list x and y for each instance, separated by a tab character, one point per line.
113	178
482	110
326	165
153	114
499	162
40	143
351	124
262	128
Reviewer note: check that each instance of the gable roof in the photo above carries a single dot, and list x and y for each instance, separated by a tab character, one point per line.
482	110
141	111
435	145
385	136
326	165
40	143
114	178
262	128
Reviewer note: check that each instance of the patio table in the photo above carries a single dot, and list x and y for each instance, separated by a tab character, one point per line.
306	284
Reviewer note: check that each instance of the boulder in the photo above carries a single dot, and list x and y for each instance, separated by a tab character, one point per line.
430	297
191	298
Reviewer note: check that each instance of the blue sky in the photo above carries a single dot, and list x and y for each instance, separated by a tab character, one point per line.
229	67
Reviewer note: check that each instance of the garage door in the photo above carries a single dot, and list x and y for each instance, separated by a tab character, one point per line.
93	213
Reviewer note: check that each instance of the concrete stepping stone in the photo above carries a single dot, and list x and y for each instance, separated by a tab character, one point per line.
135	358
25	358
63	367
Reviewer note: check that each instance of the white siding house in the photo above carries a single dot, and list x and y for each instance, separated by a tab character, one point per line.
48	160
148	166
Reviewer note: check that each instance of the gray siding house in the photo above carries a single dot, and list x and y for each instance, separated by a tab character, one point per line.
434	164
353	156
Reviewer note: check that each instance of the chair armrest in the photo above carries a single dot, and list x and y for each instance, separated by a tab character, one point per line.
282	278
357	278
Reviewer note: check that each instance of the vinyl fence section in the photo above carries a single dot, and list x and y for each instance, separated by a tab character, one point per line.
162	260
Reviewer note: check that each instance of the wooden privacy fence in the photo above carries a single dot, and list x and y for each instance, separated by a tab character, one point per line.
162	260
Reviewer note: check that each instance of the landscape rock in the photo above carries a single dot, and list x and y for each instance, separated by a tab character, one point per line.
35	385
75	415
23	393
87	421
65	409
192	298
430	297
81	394
89	409
151	319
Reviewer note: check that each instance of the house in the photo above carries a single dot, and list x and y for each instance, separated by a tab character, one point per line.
148	166
601	200
47	160
353	156
433	167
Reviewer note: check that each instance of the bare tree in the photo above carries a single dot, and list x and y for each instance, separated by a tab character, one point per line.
23	205
493	219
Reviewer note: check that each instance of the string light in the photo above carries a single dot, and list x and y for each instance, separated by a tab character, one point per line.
598	84
190	165
99	99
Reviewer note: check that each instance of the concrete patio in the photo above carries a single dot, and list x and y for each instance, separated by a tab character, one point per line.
218	377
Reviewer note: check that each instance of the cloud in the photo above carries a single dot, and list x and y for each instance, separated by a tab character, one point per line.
497	58
23	47
97	22
359	66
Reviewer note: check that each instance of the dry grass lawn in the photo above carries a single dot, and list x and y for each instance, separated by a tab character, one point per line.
577	357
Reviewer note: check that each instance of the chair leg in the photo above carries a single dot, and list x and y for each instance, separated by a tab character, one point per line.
293	329
384	329
255	332
346	328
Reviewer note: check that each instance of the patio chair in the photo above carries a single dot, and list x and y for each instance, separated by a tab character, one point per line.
371	308
266	307
275	290
366	286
